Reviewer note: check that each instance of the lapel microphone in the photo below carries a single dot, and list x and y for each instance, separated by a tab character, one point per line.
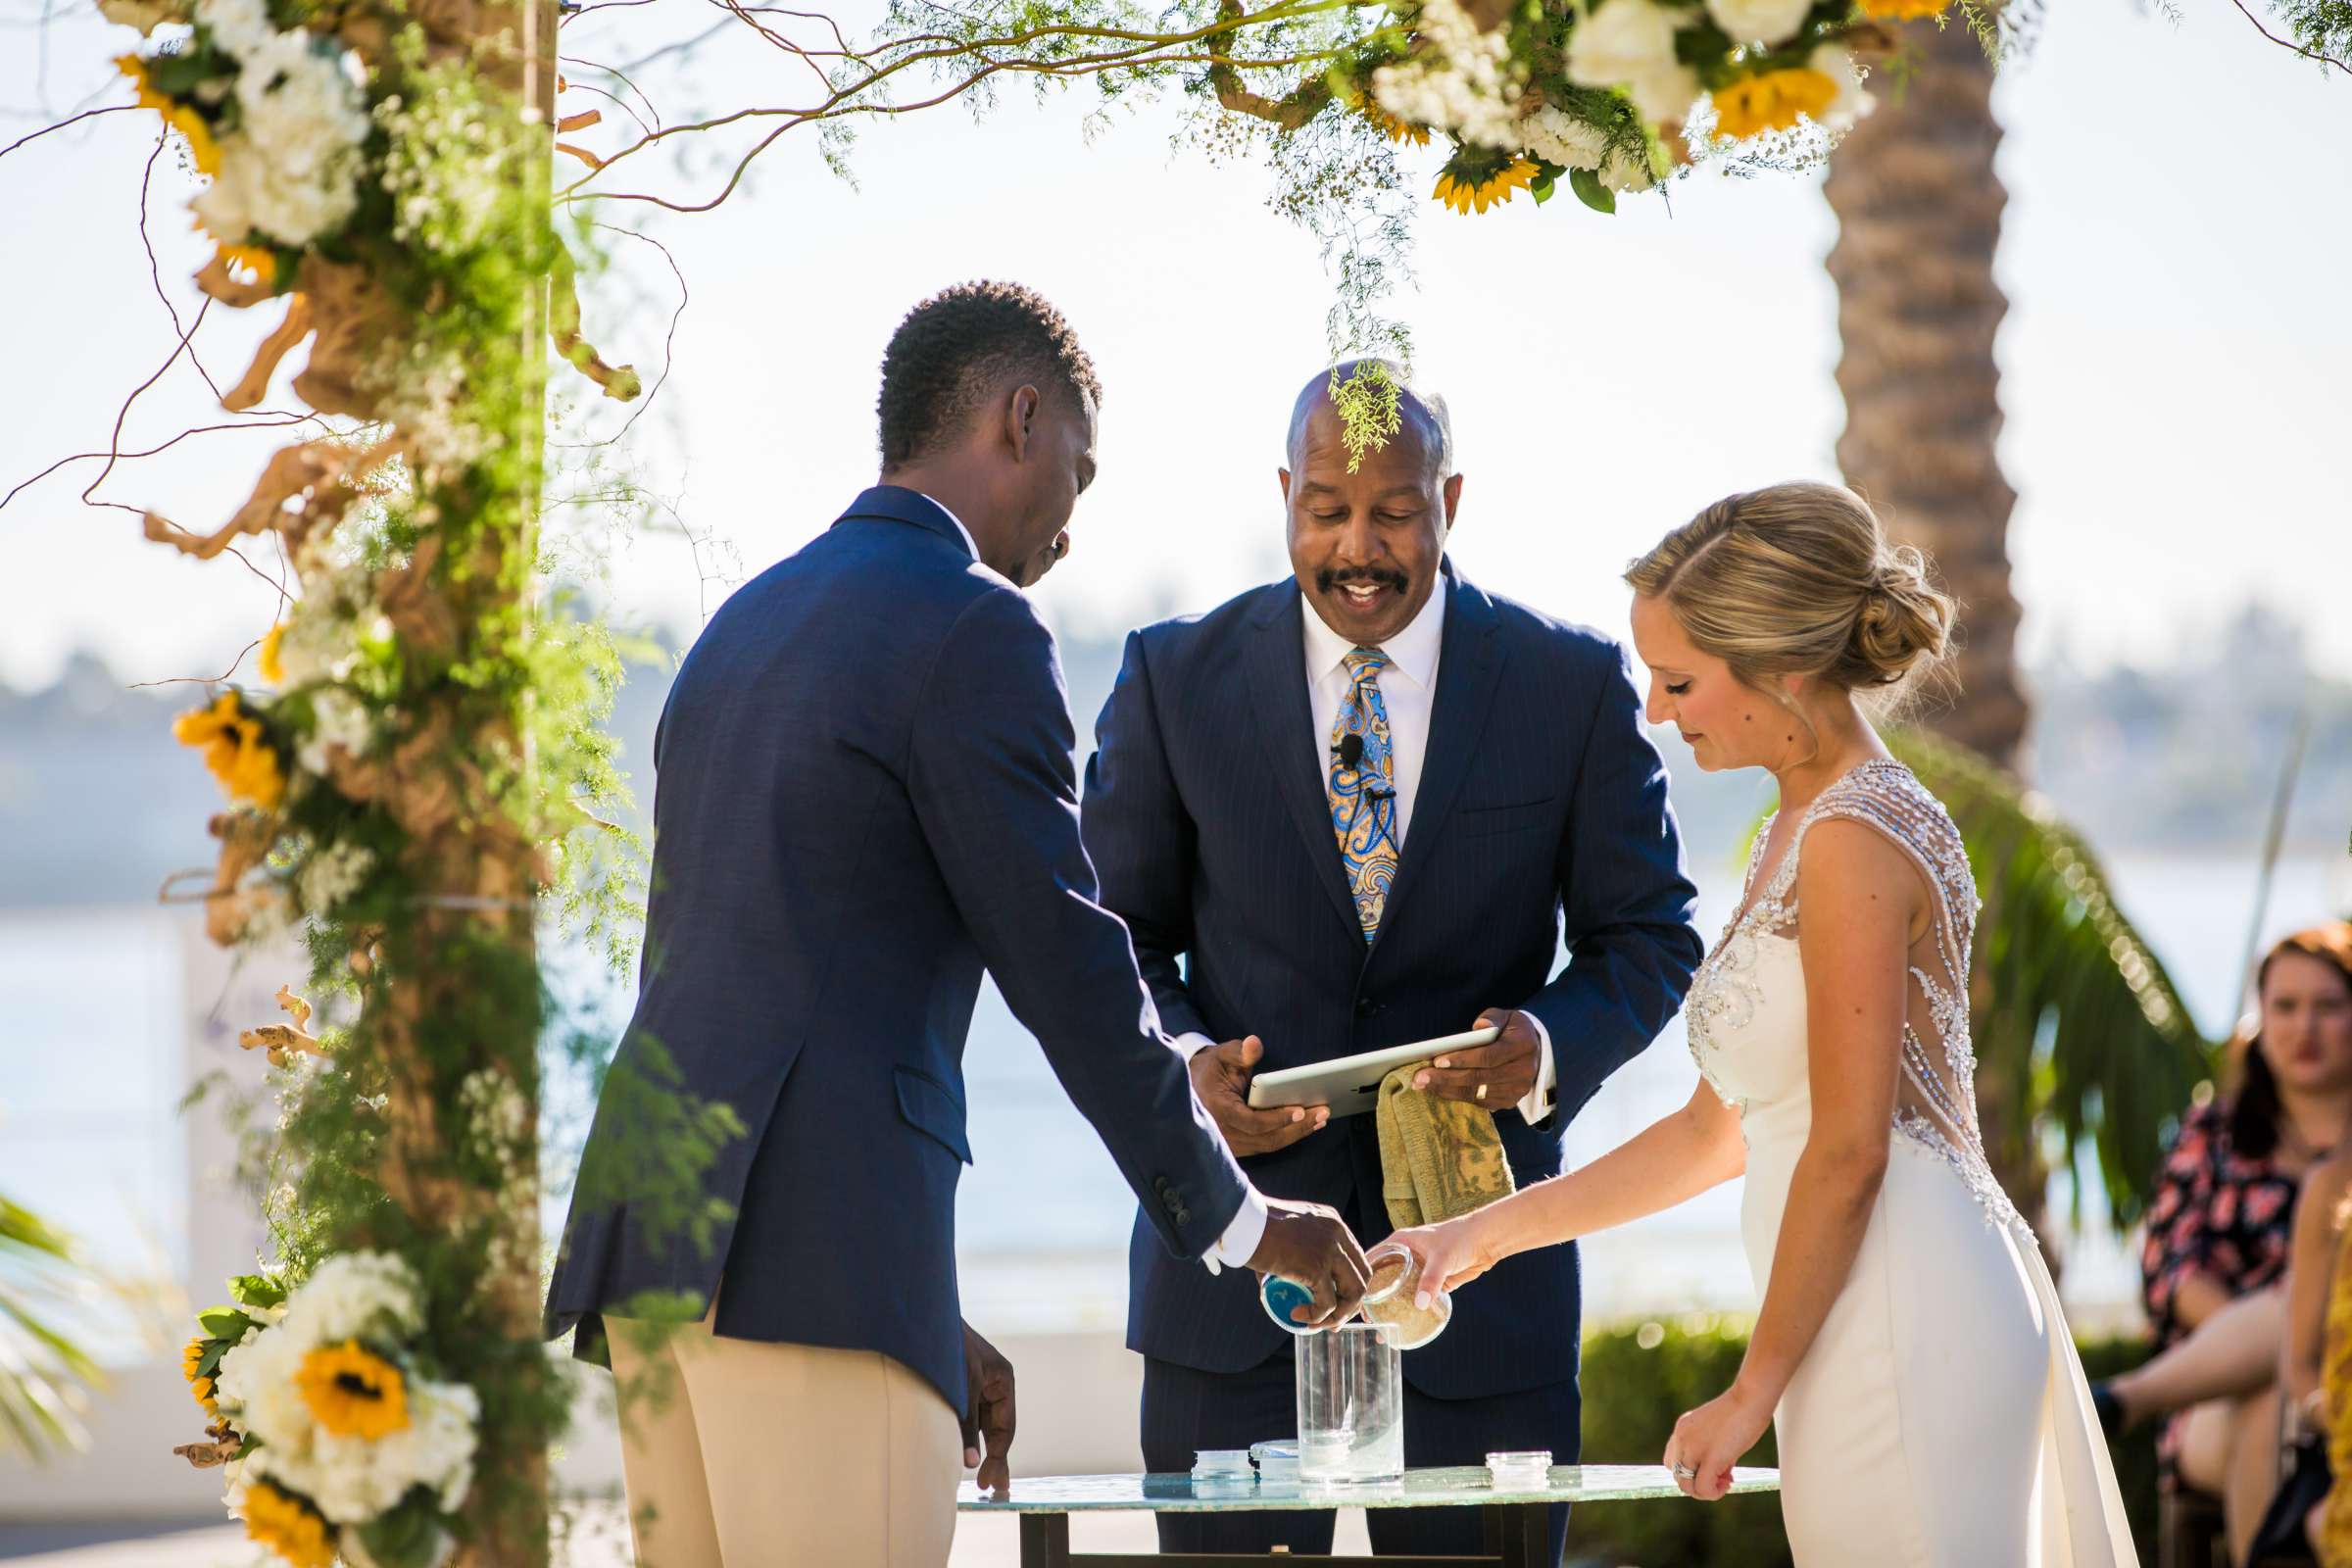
1352	751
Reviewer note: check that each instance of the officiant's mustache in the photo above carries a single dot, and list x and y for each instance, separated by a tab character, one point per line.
1327	579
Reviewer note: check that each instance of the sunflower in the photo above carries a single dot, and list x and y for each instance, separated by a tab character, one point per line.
267	661
205	151
1772	101
259	259
198	1385
1386	123
353	1393
233	749
287	1527
1474	184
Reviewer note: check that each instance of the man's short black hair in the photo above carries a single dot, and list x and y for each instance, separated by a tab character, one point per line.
958	347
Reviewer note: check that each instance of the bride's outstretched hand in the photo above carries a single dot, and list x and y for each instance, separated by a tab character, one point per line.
1708	1440
1452	1254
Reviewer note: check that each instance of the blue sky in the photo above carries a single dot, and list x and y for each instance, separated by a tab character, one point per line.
2180	197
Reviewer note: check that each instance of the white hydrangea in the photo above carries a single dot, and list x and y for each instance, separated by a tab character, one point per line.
337	718
1630	44
257	1382
355	1296
1769	22
353	1480
291	170
1557	136
1464	81
1853	102
332	875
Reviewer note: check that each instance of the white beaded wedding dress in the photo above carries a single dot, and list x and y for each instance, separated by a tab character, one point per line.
1942	1417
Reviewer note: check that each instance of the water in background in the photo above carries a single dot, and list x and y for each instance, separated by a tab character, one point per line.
1043	1216
97	1010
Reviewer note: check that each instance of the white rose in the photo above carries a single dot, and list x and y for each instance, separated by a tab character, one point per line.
1618	42
1853	102
1759	21
1630	44
239	27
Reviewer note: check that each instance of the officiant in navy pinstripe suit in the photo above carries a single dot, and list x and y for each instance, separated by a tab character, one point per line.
1353	809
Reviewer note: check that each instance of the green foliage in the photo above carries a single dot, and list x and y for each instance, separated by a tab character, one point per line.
2078	1027
43	1371
1640	1378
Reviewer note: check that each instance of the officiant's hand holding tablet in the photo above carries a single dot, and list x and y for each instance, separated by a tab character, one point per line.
1349	1086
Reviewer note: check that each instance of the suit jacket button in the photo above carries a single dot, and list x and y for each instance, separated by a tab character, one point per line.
1175	1203
1365	1006
1184	1216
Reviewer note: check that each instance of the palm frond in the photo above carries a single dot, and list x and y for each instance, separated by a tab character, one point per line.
2078	1029
43	1373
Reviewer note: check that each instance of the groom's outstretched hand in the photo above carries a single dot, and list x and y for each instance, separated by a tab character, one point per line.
1221	1078
988	1412
1309	1245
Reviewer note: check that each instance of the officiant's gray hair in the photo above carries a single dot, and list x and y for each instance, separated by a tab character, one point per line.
1423	408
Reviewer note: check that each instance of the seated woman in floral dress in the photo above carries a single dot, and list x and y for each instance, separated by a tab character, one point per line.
2217	1234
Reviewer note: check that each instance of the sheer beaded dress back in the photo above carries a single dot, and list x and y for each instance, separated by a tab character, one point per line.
1939	1416
1935	1106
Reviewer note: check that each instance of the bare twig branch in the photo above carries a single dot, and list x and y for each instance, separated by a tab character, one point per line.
87	114
2288	43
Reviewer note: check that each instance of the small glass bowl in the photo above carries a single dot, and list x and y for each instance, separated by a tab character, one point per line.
1414	1326
1528	1470
1277	1461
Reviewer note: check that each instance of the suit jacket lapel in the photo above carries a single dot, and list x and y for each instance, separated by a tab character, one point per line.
1469	668
1286	729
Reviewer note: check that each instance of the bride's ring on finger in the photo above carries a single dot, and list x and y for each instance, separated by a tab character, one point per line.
1683	1472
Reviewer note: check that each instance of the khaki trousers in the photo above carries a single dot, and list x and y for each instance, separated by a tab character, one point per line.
741	1453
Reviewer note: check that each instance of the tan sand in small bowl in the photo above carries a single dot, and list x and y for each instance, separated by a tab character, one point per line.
1415	1326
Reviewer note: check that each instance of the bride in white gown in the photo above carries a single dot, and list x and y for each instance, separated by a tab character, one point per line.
1910	1350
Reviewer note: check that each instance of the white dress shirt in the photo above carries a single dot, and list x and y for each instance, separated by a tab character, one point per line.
1247	1228
1408	689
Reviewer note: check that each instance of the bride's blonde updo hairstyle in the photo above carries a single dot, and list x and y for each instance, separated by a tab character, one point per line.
1799	579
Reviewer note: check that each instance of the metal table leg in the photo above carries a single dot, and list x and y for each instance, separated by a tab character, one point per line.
1045	1540
1517	1534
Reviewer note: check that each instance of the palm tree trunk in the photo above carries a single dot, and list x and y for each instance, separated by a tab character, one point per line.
1919	215
1919	212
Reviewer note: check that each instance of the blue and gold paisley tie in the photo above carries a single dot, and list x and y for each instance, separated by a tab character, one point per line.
1362	789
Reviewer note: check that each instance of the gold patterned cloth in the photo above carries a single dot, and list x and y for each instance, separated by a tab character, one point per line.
1438	1158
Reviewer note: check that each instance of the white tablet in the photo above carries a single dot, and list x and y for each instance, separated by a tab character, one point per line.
1351	1085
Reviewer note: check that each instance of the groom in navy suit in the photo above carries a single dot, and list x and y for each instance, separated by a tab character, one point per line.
1353	809
865	794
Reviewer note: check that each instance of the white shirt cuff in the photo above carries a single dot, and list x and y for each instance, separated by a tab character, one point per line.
1193	1043
1238	1245
1536	1103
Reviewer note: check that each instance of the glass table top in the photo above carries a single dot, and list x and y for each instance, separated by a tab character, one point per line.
1420	1489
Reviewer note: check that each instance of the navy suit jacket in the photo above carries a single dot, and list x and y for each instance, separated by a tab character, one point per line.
1540	801
865	794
